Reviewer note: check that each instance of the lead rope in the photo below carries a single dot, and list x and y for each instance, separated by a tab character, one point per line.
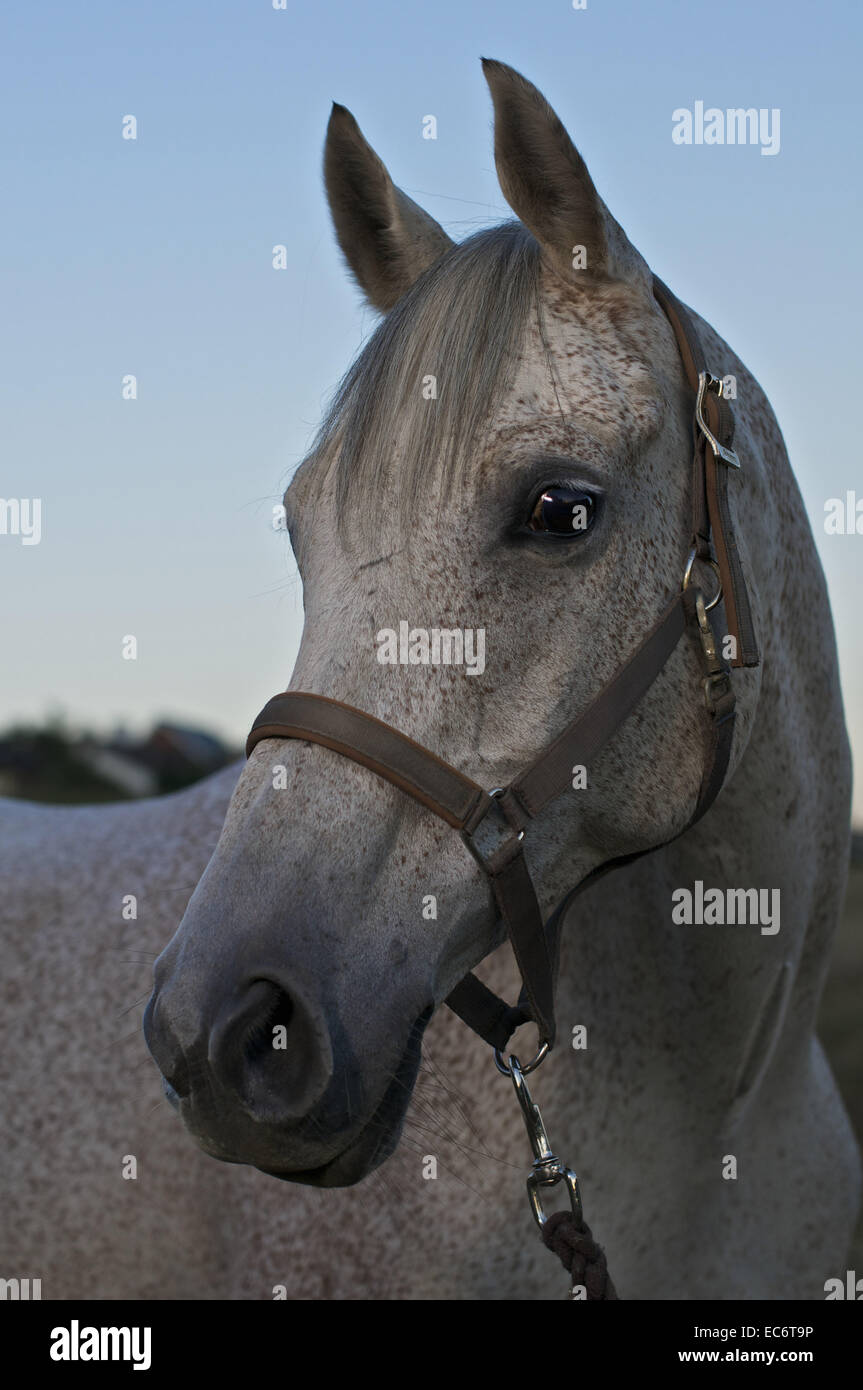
565	1233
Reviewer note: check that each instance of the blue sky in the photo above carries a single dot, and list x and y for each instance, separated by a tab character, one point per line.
153	257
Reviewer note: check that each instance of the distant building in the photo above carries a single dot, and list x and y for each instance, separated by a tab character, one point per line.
179	756
53	765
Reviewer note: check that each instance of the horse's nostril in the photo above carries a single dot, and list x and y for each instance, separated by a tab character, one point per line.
271	1048
276	1012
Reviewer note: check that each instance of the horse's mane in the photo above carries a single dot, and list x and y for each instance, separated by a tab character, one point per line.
461	322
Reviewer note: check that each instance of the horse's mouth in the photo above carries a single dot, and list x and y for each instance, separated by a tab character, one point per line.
380	1134
361	1155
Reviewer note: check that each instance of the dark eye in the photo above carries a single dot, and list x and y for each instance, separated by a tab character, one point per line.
562	510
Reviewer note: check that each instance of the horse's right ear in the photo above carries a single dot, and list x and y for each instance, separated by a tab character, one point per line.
545	181
386	238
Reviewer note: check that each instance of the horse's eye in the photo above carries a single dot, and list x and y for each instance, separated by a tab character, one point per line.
561	510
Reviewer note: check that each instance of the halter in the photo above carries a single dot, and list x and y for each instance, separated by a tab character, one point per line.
493	823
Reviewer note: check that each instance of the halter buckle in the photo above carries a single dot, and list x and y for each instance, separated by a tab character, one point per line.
508	830
708	382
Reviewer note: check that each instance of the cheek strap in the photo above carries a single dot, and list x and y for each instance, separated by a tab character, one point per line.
493	824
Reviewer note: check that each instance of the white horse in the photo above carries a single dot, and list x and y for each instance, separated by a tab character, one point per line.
715	1156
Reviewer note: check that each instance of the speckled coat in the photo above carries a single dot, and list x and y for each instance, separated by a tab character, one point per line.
701	1040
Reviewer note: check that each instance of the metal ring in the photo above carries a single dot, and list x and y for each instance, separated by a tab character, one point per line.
687	575
525	1071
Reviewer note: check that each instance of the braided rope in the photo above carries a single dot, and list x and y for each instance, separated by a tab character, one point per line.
580	1256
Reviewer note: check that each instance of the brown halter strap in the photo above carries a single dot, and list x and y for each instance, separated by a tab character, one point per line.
492	824
713	432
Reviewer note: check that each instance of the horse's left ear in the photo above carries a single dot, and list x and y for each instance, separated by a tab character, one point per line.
545	181
387	239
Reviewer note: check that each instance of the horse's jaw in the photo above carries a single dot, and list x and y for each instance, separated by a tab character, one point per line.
380	1135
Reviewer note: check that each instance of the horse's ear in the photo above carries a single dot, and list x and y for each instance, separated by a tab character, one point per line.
545	181
386	238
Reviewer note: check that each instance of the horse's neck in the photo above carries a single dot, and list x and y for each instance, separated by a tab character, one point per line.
729	999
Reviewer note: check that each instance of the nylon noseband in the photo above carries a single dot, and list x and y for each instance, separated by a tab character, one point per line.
493	824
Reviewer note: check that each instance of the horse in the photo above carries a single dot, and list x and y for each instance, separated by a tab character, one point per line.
364	1144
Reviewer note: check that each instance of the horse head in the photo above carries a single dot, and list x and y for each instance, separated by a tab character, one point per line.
495	510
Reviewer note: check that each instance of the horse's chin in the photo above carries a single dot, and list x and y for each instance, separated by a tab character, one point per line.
367	1150
378	1137
359	1159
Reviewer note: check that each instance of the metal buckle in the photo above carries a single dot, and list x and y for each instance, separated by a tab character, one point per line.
687	577
482	853
716	687
708	382
547	1170
717	682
